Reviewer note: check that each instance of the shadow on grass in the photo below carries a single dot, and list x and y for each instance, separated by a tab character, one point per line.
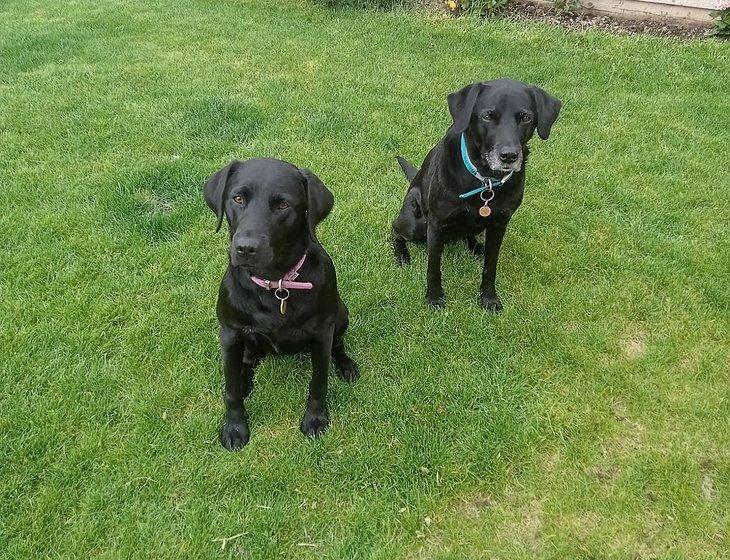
157	203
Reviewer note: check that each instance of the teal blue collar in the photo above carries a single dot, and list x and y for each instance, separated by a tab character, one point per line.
488	183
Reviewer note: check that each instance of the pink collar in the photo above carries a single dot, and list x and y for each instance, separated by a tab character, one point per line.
287	282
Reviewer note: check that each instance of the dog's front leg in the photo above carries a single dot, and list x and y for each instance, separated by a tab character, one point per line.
316	419
238	369
492	242
434	291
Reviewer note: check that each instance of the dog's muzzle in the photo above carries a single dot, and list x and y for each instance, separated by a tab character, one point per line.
504	159
250	250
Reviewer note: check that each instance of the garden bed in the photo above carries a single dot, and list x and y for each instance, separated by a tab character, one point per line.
585	19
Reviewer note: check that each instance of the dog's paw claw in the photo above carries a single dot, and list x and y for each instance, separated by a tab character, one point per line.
436	302
491	304
314	424
402	260
234	436
349	372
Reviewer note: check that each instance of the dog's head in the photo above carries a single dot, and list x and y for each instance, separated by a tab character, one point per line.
500	117
272	209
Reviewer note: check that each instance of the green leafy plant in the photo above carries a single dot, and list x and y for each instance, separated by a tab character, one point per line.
483	7
567	6
721	15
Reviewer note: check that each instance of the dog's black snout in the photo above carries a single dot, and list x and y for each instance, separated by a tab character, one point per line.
246	249
508	156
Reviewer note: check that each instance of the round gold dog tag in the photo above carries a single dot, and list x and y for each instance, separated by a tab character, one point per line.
484	211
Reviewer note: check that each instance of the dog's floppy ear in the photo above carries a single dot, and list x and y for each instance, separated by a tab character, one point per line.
214	191
319	200
461	104
547	108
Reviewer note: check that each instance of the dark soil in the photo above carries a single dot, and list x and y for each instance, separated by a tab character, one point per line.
582	20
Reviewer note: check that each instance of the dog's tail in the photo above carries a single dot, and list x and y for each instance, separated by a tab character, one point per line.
407	168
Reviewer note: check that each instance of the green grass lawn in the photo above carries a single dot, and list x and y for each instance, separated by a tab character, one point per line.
589	420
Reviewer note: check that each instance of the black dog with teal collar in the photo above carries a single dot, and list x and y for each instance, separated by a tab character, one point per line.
494	120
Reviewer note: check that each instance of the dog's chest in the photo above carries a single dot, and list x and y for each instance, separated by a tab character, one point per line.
267	328
464	219
278	337
458	217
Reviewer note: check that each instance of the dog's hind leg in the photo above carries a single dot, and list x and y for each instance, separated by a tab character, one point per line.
410	225
475	248
400	247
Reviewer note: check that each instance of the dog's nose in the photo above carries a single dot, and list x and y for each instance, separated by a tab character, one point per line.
508	156
246	249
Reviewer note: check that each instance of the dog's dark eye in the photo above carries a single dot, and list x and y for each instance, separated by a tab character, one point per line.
238	199
489	116
282	205
525	117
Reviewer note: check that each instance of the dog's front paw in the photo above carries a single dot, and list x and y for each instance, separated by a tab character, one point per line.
490	303
315	422
234	435
435	300
347	371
